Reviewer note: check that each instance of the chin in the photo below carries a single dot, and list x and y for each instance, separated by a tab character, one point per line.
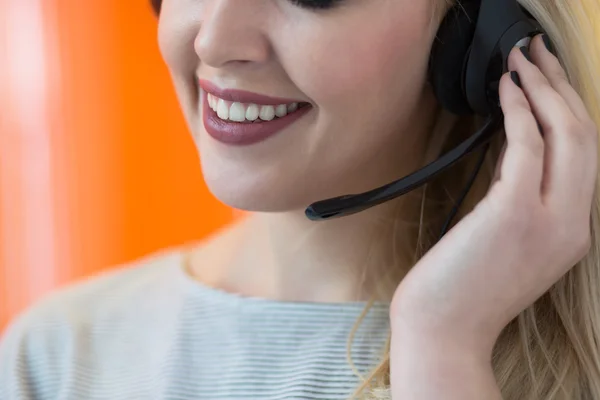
256	195
263	178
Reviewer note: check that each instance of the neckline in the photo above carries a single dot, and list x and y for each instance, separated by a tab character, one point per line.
199	288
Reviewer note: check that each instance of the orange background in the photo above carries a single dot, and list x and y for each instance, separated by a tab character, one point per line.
96	164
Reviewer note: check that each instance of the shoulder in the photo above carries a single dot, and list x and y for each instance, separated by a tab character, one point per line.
115	292
72	325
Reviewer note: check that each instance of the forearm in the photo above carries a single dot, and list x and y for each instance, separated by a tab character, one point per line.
427	367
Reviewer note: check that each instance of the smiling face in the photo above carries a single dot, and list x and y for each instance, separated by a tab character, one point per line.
292	101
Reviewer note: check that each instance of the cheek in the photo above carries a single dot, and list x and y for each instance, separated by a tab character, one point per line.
167	39
366	91
371	67
176	35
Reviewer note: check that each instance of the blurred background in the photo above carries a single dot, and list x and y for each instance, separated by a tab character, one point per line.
97	167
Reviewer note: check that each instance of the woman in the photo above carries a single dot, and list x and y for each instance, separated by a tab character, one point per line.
505	305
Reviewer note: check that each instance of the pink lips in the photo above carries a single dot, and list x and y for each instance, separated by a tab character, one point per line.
244	133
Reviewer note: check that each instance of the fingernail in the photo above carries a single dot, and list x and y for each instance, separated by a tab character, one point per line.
525	52
514	75
548	43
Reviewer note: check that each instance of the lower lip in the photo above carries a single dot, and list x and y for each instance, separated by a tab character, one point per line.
245	134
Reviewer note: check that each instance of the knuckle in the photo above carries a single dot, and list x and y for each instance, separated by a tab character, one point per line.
528	140
521	112
574	130
559	72
535	145
518	109
571	126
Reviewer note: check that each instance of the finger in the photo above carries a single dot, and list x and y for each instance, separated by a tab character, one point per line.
550	66
548	106
522	165
569	148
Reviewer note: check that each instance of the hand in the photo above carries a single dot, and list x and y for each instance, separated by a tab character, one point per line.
532	226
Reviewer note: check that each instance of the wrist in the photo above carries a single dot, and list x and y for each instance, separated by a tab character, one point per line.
426	365
468	340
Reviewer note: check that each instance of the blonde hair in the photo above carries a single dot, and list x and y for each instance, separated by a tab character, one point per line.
551	350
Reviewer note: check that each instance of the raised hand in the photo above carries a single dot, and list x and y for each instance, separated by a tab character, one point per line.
527	232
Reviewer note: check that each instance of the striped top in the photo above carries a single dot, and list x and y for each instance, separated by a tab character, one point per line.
149	331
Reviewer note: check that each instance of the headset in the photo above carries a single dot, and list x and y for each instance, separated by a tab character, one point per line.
466	63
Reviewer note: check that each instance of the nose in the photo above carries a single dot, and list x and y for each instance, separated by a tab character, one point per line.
232	33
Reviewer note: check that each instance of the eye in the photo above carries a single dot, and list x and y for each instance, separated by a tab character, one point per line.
316	4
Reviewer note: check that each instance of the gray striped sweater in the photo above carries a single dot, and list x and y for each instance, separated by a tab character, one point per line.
149	331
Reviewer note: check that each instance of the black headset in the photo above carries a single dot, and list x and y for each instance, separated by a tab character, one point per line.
466	63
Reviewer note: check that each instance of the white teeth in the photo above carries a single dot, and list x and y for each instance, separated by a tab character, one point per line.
240	112
281	110
267	113
237	112
223	109
252	112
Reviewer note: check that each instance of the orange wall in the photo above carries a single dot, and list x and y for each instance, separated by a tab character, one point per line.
96	164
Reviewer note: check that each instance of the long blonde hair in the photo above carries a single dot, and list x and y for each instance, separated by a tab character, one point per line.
552	349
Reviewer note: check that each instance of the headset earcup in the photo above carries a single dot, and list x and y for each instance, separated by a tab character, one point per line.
449	54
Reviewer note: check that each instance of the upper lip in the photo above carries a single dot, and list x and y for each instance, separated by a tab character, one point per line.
243	96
